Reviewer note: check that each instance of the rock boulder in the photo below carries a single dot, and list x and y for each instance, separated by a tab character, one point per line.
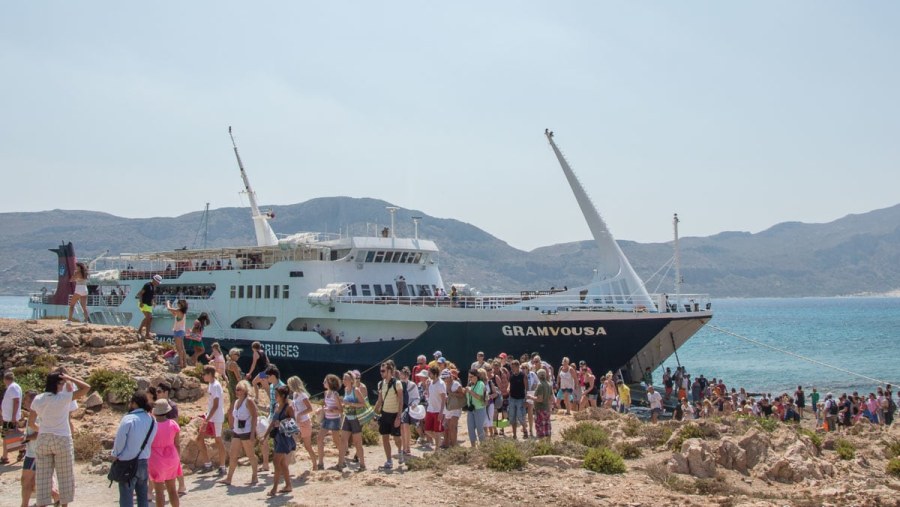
694	459
756	445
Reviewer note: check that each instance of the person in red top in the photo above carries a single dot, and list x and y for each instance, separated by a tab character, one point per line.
421	365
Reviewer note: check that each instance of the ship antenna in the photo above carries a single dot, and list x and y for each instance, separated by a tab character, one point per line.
265	236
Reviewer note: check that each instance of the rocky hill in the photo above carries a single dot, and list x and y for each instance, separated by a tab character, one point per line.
852	255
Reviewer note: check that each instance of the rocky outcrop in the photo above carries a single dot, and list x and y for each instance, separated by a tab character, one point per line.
730	455
797	464
695	459
756	446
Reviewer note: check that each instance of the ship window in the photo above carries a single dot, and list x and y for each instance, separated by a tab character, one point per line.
296	274
366	291
268	291
396	257
240	292
403	257
412	290
233	291
285	291
411	258
418	257
275	290
379	256
378	290
259	292
353	289
370	256
388	290
249	292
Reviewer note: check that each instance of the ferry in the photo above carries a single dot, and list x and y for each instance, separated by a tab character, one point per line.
328	303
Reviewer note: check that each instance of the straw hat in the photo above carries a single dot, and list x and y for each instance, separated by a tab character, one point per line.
417	412
161	407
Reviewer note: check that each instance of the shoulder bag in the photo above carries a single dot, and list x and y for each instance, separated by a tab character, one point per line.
125	470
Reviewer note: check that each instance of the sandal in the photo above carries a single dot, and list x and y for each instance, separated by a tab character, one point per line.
4	461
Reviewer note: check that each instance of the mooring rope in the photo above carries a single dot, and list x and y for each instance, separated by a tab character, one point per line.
798	356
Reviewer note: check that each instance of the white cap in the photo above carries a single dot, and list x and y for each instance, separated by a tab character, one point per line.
157	278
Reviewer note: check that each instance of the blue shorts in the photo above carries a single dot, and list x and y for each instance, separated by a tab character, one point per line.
331	424
178	334
29	464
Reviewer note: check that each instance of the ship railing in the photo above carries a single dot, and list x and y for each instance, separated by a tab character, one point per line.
683	303
548	302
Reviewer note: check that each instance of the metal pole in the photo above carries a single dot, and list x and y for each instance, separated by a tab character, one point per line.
677	266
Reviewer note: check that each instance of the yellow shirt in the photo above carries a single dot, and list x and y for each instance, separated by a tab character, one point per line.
624	394
389	396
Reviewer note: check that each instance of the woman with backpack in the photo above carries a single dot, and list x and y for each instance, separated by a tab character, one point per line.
284	442
354	402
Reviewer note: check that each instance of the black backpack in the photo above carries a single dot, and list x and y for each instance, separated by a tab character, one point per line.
832	407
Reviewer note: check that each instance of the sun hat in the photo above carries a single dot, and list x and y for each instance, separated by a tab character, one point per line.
161	407
422	373
437	353
157	278
417	412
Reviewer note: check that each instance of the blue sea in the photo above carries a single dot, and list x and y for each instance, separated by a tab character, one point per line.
859	335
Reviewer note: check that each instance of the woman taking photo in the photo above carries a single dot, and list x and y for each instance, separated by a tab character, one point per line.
194	342
475	405
54	443
79	278
284	443
242	420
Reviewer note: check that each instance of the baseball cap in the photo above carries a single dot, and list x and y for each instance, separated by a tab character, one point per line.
437	353
441	360
445	374
502	355
157	278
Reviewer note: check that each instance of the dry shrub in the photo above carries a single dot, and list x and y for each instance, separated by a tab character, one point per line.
86	445
628	450
655	434
587	434
441	459
604	461
504	455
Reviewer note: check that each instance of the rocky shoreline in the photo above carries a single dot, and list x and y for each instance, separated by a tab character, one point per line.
720	461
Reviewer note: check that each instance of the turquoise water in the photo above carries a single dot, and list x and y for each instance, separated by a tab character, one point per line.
856	334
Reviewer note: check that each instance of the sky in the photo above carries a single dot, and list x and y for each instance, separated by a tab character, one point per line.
737	116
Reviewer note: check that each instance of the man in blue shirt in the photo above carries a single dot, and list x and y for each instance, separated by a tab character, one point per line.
273	377
132	432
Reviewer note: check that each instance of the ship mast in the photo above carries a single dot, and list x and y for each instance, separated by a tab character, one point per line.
613	265
677	265
265	236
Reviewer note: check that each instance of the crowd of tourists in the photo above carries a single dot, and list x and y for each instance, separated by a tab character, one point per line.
500	397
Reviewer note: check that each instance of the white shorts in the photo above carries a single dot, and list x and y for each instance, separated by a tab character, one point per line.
81	290
453	413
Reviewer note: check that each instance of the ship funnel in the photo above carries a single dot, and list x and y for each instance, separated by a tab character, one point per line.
65	259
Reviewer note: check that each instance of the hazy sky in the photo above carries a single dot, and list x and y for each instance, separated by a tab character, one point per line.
736	115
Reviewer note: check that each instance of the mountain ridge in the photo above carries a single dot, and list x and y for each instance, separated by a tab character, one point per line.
857	253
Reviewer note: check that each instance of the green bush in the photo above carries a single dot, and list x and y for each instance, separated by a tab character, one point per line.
370	434
845	450
893	467
543	447
183	420
628	450
32	377
686	432
504	455
631	427
655	434
47	360
195	371
105	381
604	461
587	434
440	460
813	436
893	449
